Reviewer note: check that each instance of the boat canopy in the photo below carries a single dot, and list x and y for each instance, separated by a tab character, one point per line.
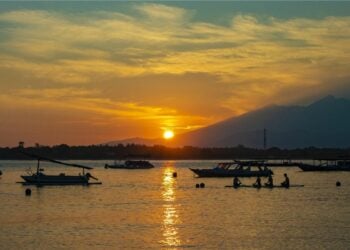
250	162
41	158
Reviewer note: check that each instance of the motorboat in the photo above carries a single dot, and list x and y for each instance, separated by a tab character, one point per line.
327	165
130	164
39	178
235	169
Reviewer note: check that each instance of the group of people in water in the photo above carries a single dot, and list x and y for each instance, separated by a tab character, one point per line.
257	183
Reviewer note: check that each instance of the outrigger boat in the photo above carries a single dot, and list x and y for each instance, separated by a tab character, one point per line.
235	169
40	179
327	165
130	164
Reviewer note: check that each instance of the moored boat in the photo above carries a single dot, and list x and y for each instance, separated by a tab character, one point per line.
327	165
40	179
130	164
235	169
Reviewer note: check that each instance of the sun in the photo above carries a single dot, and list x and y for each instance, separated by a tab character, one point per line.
168	134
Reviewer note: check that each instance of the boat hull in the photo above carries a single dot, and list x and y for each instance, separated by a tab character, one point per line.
55	179
309	167
131	165
230	173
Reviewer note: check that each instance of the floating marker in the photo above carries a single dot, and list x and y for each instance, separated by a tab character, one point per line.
202	185
28	192
174	174
338	184
197	185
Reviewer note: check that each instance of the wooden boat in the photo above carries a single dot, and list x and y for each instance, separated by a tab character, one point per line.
130	164
252	186
235	169
40	179
327	165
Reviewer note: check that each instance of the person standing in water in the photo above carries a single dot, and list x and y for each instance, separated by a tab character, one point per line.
269	182
257	184
286	181
236	182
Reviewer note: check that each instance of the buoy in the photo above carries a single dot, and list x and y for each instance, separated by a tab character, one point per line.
338	184
28	192
202	185
174	174
0	172
197	185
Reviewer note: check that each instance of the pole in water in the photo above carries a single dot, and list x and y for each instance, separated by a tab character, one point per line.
28	192
338	184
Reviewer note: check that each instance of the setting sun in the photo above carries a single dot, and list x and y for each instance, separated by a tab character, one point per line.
168	134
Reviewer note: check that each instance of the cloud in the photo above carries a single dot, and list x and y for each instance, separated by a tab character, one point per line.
79	99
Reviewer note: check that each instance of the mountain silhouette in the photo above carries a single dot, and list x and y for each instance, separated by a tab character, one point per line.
324	123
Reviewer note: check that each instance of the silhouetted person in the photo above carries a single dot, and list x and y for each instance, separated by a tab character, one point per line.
257	183
286	181
236	182
269	182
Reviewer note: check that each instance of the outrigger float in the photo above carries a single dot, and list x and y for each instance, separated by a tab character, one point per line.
269	187
40	179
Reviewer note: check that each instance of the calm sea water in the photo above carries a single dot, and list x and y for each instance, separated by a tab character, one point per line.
149	209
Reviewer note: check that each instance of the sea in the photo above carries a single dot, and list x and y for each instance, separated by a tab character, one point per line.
151	209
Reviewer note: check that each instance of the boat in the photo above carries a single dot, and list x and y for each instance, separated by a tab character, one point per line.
235	169
39	178
130	164
327	165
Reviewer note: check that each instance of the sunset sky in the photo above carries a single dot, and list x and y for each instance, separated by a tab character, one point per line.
92	72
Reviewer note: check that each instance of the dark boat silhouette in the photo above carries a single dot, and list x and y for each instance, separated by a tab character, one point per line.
39	178
235	169
327	165
130	164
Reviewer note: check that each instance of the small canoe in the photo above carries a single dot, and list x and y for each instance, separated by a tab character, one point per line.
250	186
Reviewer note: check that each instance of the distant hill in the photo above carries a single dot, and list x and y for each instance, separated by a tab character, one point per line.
325	123
136	140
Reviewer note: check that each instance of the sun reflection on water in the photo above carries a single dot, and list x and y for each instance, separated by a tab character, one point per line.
170	215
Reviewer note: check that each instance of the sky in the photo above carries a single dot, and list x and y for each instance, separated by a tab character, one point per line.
85	73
